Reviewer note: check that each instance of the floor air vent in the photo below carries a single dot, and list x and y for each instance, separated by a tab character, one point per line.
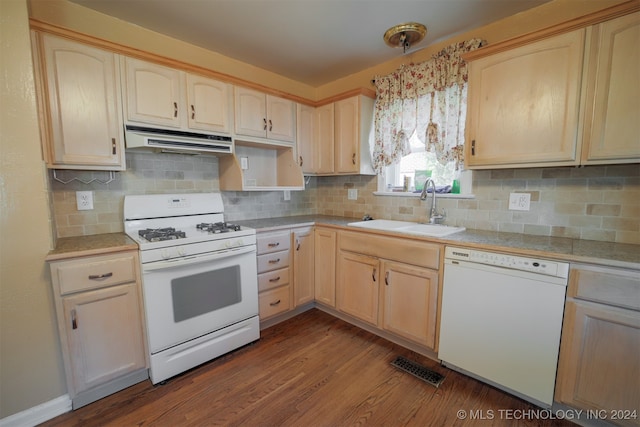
418	371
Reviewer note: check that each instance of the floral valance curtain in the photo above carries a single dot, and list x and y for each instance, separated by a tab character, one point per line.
427	98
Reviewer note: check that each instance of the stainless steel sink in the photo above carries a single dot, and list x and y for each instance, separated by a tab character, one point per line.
434	230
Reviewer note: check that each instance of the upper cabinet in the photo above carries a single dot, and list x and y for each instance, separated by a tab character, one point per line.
523	104
568	99
334	139
612	119
264	116
80	105
168	97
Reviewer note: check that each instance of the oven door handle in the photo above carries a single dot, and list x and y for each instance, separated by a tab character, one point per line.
197	259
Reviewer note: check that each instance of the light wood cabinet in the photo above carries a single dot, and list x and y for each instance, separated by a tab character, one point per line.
410	301
325	266
357	286
612	125
599	365
316	139
391	283
169	97
264	116
274	273
99	311
353	121
80	105
303	266
523	106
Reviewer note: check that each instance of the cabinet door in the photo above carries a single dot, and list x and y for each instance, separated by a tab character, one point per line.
303	266
250	112
281	119
599	365
154	94
357	286
305	137
523	104
614	136
325	266
209	104
324	139
347	135
85	117
410	302
104	332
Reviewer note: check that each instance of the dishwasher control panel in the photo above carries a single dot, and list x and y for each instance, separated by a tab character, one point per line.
534	265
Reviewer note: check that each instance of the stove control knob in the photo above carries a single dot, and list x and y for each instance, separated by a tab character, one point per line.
182	251
239	242
165	254
228	244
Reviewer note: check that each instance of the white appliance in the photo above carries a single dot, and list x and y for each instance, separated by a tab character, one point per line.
199	279
501	320
176	141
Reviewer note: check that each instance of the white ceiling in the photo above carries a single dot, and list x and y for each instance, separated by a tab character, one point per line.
310	41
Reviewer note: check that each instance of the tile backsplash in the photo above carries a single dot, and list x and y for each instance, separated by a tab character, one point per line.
594	203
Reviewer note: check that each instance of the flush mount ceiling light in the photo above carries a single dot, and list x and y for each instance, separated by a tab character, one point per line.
405	35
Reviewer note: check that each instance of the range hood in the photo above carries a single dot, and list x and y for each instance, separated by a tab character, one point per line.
176	141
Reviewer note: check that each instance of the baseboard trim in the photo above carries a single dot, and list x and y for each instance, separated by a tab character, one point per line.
38	414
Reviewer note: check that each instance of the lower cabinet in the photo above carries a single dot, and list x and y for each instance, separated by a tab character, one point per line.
410	302
274	273
303	266
390	283
325	265
98	306
599	365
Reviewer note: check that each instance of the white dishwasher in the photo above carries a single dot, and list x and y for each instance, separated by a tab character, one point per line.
501	320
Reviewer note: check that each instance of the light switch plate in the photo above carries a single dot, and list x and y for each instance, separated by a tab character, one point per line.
287	195
519	201
244	163
84	200
352	194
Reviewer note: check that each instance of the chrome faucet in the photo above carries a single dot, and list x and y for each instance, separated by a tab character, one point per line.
434	216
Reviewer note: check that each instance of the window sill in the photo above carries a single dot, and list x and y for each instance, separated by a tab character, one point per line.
438	195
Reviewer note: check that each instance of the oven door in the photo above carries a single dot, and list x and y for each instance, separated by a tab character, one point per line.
190	297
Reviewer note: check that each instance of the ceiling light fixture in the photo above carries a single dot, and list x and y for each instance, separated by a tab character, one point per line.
405	35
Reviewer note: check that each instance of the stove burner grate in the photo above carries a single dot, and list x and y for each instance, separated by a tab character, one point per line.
218	227
160	234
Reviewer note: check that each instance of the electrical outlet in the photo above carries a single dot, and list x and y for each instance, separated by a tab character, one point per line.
287	195
519	201
84	200
352	194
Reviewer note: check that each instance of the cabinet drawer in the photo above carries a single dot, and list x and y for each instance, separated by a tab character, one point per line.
94	272
413	252
273	242
274	261
273	279
274	302
606	285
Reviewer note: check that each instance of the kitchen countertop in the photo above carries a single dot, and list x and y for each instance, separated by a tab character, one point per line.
574	250
98	244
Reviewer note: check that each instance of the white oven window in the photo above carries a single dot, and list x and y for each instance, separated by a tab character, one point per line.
205	292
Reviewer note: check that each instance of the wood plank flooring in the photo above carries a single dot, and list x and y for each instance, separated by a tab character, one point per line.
311	370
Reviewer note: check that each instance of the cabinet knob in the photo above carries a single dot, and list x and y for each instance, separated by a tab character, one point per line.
74	320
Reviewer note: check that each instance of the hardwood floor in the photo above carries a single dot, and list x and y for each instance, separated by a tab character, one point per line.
312	370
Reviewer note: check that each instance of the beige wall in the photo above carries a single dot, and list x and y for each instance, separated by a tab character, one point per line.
31	369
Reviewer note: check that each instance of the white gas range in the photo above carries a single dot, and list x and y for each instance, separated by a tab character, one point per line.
199	279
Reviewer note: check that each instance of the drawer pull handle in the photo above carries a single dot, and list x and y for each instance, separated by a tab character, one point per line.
265	123
270	125
193	112
74	320
353	158
274	261
272	304
473	147
386	278
301	161
275	279
274	245
373	275
100	276
113	146
175	109
297	245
